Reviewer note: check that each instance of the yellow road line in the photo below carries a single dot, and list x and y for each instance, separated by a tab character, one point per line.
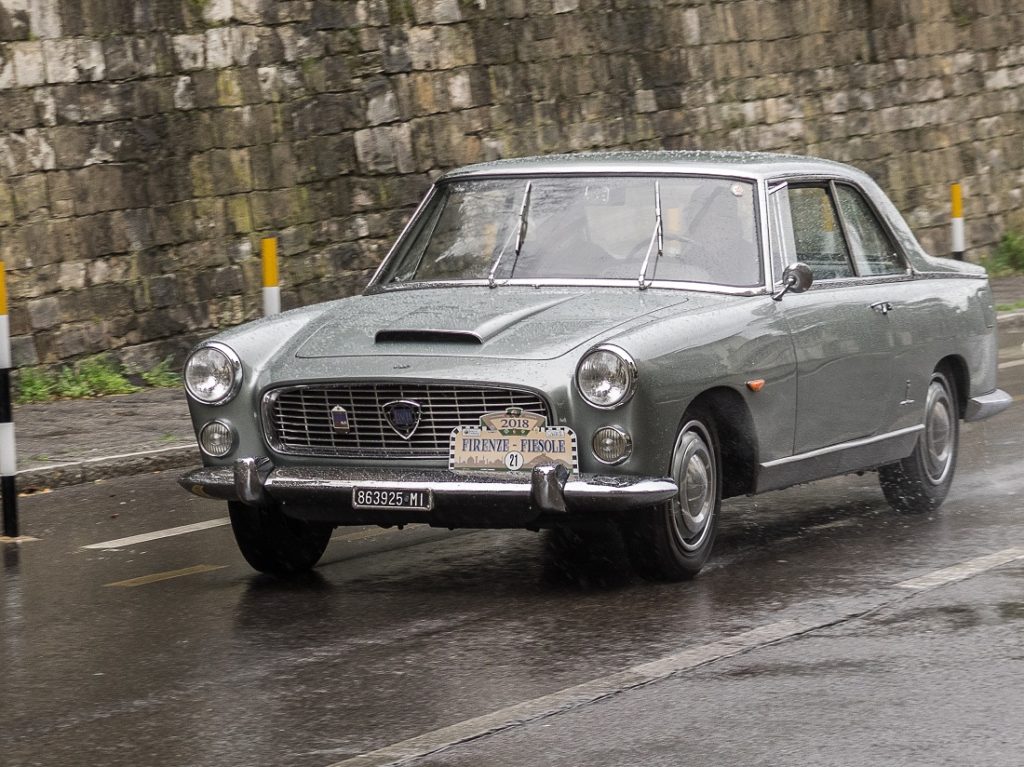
166	576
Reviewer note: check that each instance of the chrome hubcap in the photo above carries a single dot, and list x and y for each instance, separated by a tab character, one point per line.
693	468
938	433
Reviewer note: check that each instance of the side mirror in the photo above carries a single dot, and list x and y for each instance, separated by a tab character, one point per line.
796	278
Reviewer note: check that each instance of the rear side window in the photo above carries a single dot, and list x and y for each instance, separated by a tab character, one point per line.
872	250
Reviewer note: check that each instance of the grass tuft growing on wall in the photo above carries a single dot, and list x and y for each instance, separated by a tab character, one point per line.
163	376
1008	256
91	377
33	385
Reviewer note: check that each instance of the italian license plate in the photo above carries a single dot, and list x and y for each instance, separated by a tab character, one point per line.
381	498
512	440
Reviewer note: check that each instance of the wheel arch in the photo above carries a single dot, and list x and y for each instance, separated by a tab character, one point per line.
737	439
956	368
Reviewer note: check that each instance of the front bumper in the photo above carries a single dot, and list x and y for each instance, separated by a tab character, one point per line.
459	499
987	405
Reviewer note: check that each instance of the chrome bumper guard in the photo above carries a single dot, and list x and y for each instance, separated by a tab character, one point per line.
549	489
987	405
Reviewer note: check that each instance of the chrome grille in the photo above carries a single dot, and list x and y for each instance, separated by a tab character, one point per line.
298	418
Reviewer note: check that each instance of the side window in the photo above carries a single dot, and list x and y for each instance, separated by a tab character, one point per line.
873	251
818	236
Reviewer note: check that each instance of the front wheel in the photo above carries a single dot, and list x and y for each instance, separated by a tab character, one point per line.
672	541
920	482
274	543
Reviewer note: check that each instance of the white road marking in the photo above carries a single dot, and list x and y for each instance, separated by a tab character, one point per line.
654	671
1011	364
579	695
963	570
120	543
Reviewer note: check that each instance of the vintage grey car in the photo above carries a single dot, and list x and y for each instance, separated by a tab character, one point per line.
602	339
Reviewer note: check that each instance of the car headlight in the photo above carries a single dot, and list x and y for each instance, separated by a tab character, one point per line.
606	377
213	374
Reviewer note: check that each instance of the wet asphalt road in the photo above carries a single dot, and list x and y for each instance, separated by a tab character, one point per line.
173	652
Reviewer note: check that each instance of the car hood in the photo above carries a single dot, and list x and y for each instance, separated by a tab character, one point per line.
509	322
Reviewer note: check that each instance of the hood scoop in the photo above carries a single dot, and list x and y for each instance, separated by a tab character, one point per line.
427	336
461	325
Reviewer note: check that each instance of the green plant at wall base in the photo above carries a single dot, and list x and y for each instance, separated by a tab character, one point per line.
1008	257
33	385
91	377
162	376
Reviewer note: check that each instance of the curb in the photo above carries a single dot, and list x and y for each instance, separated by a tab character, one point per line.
107	467
1010	319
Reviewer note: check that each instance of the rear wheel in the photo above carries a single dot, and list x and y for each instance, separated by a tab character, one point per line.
672	541
920	482
274	543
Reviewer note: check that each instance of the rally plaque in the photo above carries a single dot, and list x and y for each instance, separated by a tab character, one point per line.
512	440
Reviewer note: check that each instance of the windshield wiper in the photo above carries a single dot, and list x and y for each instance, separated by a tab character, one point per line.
520	232
658	235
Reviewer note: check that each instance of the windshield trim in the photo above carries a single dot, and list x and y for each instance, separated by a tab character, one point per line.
700	287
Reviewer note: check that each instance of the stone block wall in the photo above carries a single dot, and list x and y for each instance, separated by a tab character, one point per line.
147	145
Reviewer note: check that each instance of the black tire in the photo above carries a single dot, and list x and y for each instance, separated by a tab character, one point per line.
672	541
274	543
920	482
587	556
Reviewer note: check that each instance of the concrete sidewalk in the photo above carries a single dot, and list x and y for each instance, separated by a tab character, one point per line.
73	441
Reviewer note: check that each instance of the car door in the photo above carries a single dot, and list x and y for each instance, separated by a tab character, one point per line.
840	327
911	310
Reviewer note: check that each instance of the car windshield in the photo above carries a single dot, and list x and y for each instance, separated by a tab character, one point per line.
683	228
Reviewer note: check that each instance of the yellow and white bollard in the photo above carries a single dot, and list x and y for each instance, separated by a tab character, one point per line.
271	288
8	452
957	221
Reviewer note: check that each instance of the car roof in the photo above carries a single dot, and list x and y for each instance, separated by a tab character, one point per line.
754	165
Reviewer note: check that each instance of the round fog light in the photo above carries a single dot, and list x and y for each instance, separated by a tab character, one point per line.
611	445
217	439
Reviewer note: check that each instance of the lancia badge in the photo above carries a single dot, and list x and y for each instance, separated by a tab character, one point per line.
339	418
403	416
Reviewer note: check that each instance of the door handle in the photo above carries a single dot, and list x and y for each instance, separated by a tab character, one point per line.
882	307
